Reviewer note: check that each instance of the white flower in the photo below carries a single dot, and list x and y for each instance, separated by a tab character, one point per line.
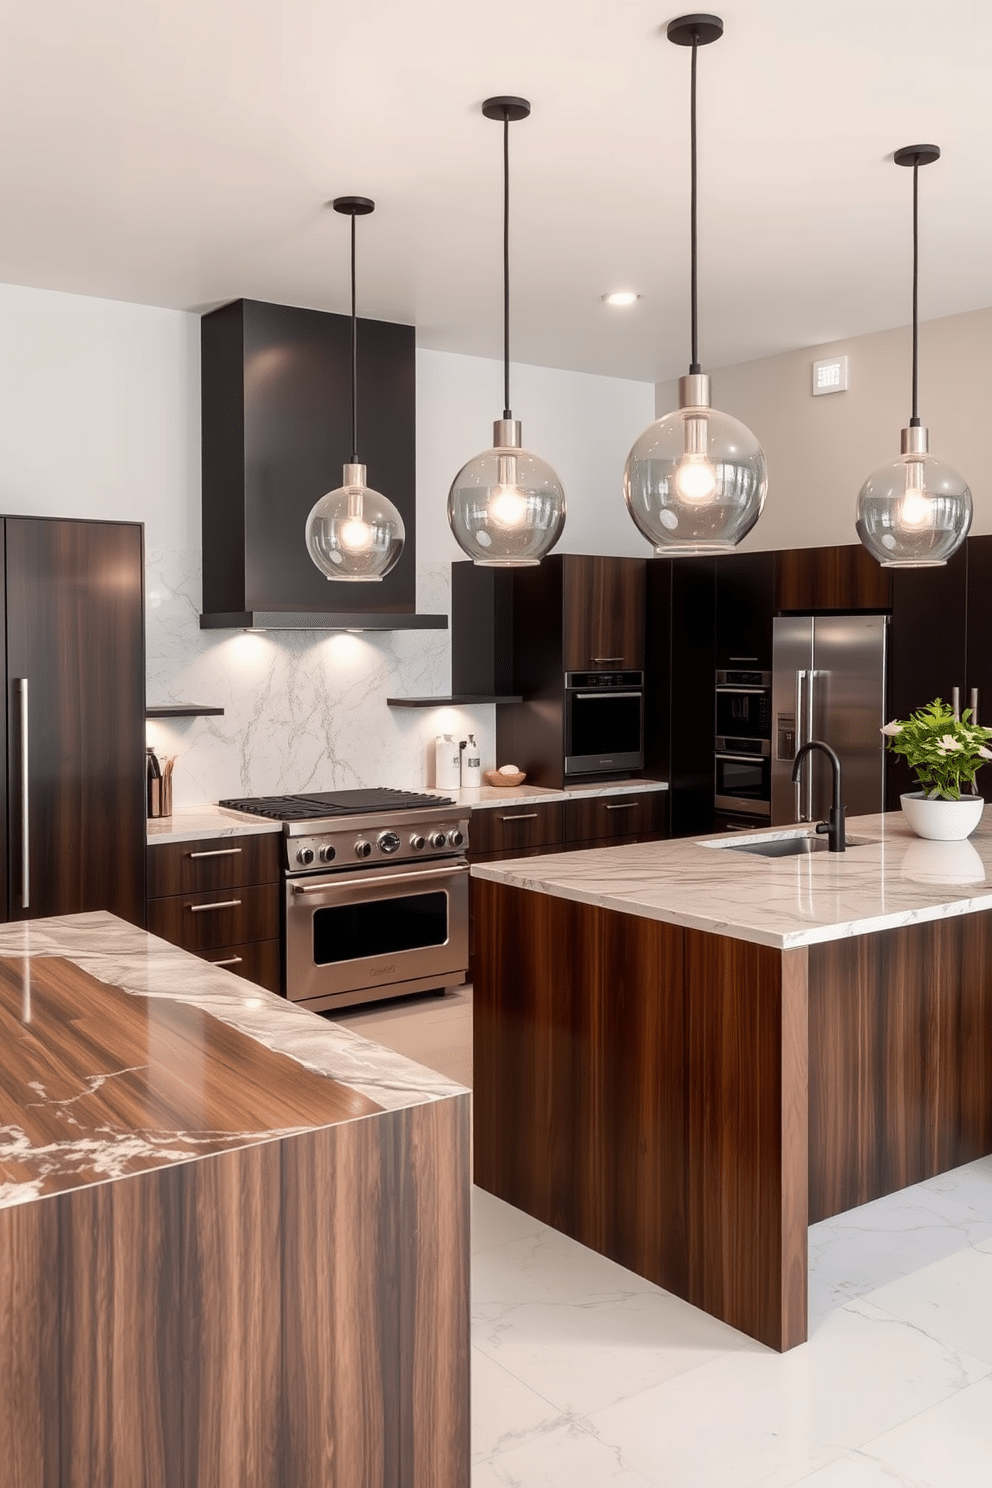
892	728
949	744
985	753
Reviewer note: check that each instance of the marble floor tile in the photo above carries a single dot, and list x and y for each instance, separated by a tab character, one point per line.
505	1412
947	1446
951	1301
970	1185
756	1419
567	1457
496	1223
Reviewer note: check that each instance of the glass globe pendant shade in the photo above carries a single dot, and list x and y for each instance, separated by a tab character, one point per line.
915	512
695	481
355	533
506	507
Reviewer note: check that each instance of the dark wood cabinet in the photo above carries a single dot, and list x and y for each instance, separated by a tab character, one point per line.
220	897
502	829
603	613
75	717
745	609
841	578
601	821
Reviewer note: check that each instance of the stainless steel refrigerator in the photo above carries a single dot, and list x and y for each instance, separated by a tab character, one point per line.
828	683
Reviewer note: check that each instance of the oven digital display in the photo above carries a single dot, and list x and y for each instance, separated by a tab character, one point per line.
379	927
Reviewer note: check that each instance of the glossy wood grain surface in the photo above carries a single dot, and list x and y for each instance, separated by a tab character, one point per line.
216	917
100	1083
839	578
600	818
293	1313
642	1088
526	823
603	619
900	1029
213	863
259	961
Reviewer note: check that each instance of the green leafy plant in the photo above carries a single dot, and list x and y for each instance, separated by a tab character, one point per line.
944	751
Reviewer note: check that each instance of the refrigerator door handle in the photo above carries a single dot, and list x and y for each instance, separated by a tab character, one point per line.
22	690
956	702
809	734
800	741
973	704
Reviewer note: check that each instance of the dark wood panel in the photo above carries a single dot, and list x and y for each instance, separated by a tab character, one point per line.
603	617
979	660
527	823
75	632
746	1100
578	1100
242	914
900	1058
120	1396
29	1347
842	578
693	665
257	960
630	814
481	630
745	606
213	863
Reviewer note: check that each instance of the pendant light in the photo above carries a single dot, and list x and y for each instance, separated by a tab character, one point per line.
506	507
916	511
354	534
695	481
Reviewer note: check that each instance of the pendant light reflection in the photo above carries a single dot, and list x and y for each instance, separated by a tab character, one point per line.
506	507
916	511
354	534
695	481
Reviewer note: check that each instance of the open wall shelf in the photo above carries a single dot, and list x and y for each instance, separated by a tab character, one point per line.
183	710
458	700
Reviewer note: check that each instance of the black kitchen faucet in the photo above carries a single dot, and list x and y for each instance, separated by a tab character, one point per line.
834	828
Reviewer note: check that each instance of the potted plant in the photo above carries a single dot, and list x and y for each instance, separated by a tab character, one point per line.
945	752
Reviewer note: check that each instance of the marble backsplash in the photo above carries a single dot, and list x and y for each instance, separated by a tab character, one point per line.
302	711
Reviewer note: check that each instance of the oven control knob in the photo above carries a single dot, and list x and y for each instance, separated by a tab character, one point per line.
438	839
417	842
387	842
362	848
305	855
455	838
327	853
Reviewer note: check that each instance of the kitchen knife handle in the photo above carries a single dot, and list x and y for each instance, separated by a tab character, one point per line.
22	689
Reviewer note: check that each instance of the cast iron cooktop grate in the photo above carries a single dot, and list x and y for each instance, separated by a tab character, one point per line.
335	803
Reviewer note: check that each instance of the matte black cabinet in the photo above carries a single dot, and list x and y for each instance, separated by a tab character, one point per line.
75	725
745	607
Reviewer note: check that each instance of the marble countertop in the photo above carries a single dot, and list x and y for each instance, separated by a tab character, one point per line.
124	1053
489	795
196	822
895	879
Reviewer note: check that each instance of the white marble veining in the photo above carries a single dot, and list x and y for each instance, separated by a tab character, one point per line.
896	879
203	822
489	795
302	710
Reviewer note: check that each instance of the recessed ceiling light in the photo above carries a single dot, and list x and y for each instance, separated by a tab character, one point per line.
621	297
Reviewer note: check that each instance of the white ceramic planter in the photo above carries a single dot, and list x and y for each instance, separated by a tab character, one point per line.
942	821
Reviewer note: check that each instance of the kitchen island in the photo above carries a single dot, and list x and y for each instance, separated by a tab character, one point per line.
685	1054
233	1236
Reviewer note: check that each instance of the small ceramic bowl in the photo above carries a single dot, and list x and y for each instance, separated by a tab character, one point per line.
493	777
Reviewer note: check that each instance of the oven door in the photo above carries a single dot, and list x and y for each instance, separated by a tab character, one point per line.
354	937
744	712
604	730
743	784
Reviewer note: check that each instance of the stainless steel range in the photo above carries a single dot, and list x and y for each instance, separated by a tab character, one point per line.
376	893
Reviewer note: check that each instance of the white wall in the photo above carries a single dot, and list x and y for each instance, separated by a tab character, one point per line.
100	418
821	450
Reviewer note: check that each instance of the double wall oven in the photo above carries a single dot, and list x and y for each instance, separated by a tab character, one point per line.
375	894
742	755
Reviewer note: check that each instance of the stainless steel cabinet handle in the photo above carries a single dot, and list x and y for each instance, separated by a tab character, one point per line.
231	961
607	658
627	806
221	904
521	816
218	852
22	688
373	880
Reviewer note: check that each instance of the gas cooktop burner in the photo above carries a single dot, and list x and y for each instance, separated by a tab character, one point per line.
335	803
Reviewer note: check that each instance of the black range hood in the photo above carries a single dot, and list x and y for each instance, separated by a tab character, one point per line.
276	403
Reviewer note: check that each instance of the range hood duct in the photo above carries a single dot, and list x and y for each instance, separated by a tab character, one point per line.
276	406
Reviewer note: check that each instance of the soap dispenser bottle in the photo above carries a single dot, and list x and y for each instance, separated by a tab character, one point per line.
447	756
471	765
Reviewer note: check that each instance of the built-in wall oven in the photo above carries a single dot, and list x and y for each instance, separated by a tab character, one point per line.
742	785
604	722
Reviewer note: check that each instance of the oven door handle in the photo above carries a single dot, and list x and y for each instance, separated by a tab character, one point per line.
746	759
373	879
750	691
605	693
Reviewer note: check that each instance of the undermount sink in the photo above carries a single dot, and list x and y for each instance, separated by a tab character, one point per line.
800	845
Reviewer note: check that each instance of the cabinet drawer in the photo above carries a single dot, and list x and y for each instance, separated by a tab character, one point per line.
213	863
502	828
226	917
258	961
636	814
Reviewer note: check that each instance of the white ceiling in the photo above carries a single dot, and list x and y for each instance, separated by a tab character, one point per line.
180	154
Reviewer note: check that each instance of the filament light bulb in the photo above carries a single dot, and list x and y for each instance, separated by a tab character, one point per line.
695	478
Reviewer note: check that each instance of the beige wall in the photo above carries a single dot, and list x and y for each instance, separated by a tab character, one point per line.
820	450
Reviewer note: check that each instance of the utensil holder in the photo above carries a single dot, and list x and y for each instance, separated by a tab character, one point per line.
160	796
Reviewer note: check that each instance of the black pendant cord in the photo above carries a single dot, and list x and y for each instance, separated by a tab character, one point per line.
915	420
694	366
354	353
506	265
